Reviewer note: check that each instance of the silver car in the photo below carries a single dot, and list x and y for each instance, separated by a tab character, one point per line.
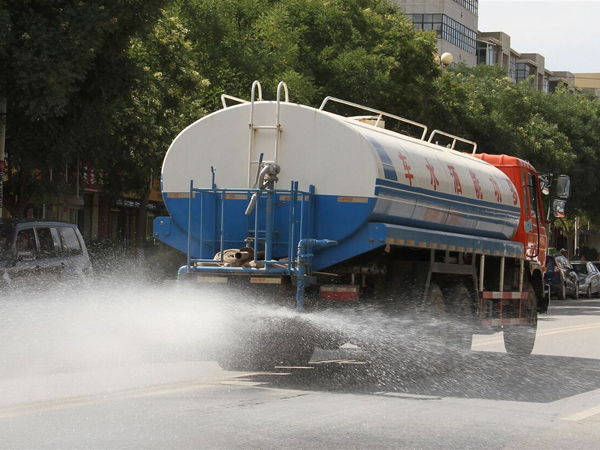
40	250
588	277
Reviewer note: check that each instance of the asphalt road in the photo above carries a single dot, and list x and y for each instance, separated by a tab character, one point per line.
69	380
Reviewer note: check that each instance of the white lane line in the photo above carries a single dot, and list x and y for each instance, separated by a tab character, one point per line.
583	414
498	340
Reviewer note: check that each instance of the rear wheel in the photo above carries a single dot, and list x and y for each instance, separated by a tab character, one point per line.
266	344
459	306
519	340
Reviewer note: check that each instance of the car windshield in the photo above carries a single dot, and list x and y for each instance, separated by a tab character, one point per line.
580	268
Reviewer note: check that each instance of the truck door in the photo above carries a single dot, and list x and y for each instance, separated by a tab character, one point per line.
533	223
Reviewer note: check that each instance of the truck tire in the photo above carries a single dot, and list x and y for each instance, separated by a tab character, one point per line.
265	344
519	340
435	345
262	358
459	307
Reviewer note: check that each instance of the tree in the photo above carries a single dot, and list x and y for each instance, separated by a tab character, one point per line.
64	63
577	116
482	104
164	98
361	50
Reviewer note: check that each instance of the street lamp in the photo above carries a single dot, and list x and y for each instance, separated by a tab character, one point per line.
446	59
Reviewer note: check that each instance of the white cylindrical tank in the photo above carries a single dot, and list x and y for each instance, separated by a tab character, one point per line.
361	173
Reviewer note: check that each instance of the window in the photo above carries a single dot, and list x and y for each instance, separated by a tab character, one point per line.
70	242
513	68
524	71
49	242
487	53
532	192
5	235
471	5
25	241
448	29
526	199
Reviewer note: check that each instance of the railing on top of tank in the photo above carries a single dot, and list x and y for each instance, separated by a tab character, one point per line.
454	139
380	114
300	224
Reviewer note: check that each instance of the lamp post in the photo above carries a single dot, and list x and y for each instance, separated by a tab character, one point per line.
446	59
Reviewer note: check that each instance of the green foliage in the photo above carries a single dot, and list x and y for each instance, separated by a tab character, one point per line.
361	50
482	104
164	98
577	116
63	65
112	83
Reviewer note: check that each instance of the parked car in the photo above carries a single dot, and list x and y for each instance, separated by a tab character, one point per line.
561	277
589	277
32	250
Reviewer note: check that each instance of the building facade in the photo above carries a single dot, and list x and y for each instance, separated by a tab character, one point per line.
454	21
456	24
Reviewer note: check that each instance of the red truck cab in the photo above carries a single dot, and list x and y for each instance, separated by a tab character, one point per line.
531	231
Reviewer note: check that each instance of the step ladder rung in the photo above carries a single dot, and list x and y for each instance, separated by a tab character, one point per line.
265	127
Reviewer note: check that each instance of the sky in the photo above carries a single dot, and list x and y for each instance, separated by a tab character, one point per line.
566	33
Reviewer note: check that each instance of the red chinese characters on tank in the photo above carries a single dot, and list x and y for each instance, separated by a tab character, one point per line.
407	174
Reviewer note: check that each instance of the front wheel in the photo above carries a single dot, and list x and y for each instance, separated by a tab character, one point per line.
519	340
576	293
588	293
562	293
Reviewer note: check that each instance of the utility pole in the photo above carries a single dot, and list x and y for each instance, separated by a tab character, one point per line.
2	153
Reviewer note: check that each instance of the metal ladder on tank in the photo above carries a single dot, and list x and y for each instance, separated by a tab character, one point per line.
253	128
256	165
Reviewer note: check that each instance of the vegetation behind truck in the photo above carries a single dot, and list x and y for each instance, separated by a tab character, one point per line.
324	209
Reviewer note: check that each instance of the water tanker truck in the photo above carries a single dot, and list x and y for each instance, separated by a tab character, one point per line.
316	209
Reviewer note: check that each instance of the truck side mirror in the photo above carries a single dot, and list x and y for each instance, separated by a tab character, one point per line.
559	208
563	187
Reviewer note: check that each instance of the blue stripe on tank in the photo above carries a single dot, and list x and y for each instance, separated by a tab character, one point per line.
413	190
388	167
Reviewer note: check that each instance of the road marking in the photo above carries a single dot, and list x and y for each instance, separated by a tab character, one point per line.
498	340
408	396
75	402
584	414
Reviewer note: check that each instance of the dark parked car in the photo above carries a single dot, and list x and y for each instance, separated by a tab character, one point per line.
32	250
589	277
561	277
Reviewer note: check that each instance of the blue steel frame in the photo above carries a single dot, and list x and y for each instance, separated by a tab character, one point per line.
301	212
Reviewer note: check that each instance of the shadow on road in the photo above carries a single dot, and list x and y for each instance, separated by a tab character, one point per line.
483	375
574	308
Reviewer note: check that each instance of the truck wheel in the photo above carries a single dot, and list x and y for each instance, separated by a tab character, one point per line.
437	336
266	344
459	306
263	358
520	339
